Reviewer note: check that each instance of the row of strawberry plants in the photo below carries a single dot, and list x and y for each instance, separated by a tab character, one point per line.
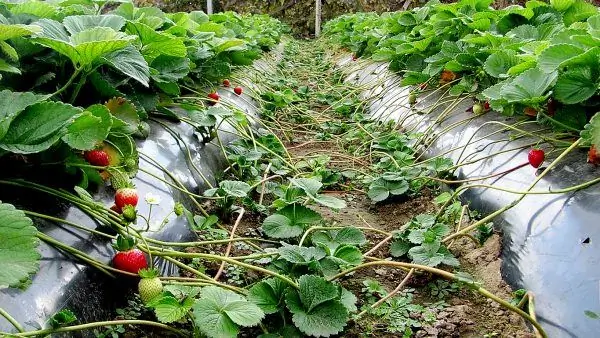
541	60
61	60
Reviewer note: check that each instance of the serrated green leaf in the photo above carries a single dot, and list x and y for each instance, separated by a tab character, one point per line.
89	129
130	62
13	103
155	43
62	318
38	127
561	5
325	320
552	57
329	201
349	300
235	188
315	290
381	189
77	23
575	86
580	10
14	31
169	68
300	255
349	254
18	249
425	256
41	9
268	295
399	248
168	309
218	310
591	133
498	63
533	84
309	185
84	47
279	226
7	68
289	221
244	313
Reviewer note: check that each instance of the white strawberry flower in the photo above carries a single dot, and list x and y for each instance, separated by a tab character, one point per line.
152	199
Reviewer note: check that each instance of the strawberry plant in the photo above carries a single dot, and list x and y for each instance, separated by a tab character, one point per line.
516	64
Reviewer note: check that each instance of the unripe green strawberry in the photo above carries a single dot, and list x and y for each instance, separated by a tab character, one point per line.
129	213
150	285
477	109
412	98
179	209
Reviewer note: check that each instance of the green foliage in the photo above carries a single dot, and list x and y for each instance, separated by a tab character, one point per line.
221	313
291	221
19	257
317	308
516	57
62	318
421	241
397	313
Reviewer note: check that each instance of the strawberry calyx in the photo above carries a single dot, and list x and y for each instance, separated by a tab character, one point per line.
148	273
124	243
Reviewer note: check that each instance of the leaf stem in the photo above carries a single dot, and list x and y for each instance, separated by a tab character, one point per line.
11	320
94	325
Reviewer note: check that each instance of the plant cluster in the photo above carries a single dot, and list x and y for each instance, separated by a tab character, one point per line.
540	60
305	260
140	61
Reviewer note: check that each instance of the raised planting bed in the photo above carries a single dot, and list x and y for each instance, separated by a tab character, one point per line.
547	215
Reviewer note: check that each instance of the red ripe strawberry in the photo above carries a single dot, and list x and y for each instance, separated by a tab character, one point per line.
226	83
593	155
126	196
529	111
447	76
536	157
486	106
238	90
551	107
354	57
97	157
214	97
131	261
116	209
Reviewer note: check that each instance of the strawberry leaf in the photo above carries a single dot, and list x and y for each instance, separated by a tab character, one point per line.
168	309
19	257
268	295
591	133
220	313
289	221
39	127
576	85
89	129
316	308
62	318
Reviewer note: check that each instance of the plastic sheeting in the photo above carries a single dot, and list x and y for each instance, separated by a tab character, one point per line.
551	242
63	283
